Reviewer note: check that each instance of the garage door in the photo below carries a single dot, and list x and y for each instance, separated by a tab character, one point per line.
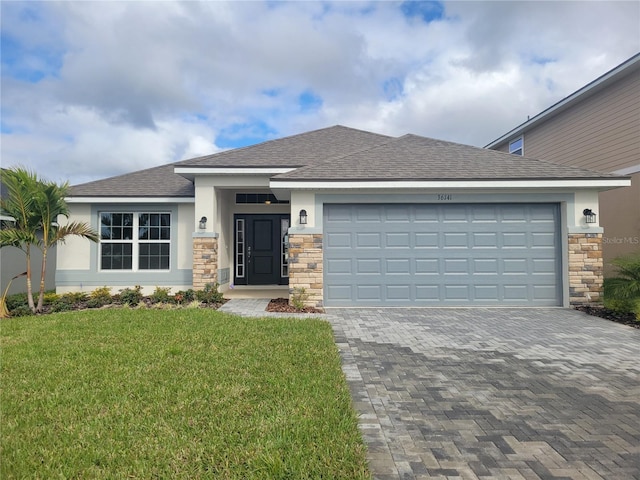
451	254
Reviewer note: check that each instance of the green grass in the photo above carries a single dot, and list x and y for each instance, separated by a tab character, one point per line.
174	394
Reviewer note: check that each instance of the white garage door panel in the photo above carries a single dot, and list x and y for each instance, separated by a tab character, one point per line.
456	254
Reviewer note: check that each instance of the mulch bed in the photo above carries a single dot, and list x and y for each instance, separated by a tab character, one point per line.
624	318
281	305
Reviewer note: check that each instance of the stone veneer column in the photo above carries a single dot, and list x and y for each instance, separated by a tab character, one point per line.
205	261
305	267
585	268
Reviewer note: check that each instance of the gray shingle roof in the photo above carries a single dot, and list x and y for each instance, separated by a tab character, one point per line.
152	182
341	153
294	151
412	157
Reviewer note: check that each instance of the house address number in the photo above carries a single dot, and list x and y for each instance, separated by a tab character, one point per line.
444	197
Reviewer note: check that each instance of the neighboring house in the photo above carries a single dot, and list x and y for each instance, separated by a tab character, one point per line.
355	218
597	127
13	262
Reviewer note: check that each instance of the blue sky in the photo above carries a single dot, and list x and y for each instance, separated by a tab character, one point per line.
94	89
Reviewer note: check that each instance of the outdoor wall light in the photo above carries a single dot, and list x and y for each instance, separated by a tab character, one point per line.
203	223
589	216
303	217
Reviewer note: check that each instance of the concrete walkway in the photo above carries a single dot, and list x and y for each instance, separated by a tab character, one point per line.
490	393
257	307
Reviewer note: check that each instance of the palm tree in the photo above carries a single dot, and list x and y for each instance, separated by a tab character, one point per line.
19	205
36	206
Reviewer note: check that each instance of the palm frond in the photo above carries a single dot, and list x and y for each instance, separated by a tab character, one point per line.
79	229
16	237
21	186
626	285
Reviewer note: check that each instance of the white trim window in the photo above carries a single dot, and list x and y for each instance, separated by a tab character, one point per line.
135	241
516	147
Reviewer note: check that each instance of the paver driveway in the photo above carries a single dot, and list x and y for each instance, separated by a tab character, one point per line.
493	393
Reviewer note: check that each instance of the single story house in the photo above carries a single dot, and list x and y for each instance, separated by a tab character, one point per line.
353	217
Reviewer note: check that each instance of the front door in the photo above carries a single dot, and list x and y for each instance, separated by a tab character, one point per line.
261	256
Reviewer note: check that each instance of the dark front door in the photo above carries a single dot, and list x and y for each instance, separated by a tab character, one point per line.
261	257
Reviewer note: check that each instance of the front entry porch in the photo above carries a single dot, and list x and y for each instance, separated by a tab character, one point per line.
257	291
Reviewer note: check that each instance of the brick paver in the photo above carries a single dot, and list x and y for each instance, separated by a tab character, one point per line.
493	393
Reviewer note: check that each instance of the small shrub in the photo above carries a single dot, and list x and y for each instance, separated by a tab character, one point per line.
132	296
100	297
50	297
622	293
185	296
618	305
17	300
209	294
161	295
74	298
21	311
193	304
299	297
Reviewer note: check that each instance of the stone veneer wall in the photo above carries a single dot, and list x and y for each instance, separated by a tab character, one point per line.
305	267
585	268
205	261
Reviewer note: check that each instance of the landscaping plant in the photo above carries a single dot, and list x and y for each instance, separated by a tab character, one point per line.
622	293
161	295
299	298
131	296
36	205
209	294
100	297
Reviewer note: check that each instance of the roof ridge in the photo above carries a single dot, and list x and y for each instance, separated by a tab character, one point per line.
337	157
273	140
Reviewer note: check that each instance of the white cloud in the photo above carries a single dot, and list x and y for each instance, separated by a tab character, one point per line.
97	148
130	85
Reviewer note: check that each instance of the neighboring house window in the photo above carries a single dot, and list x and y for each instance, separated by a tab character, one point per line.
135	241
517	146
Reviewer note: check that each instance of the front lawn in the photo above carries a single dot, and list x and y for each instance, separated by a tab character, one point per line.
188	393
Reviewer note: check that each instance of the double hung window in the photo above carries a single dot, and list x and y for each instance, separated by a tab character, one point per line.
516	146
135	241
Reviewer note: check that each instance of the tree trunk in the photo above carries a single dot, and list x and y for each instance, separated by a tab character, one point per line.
43	273
29	289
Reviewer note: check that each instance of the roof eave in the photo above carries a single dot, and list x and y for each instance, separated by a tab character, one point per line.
481	184
126	199
190	172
